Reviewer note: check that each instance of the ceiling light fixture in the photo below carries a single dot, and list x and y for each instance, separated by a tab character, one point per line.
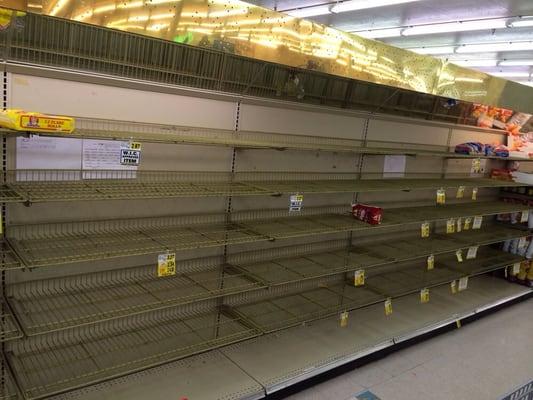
434	50
495	47
522	22
515	63
309	11
475	63
450	27
510	74
352	5
379	33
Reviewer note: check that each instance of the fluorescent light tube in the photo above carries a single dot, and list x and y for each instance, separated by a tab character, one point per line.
510	74
352	5
309	11
495	47
460	26
527	83
434	50
521	23
475	63
515	63
379	33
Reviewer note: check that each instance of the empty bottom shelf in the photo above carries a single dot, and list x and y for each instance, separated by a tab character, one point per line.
250	369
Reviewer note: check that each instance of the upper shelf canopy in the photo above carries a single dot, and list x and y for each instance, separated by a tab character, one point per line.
240	28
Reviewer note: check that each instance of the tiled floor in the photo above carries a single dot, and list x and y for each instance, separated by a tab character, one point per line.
481	361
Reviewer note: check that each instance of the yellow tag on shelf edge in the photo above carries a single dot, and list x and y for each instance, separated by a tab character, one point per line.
463	284
472	252
460	192
478	219
344	319
468	223
424	295
474	193
388	307
453	286
431	262
459	255
450	225
359	277
441	196
166	264
525	216
20	120
135	145
516	268
424	230
458	323
459	224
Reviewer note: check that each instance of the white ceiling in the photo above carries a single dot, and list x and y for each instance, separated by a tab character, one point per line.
488	35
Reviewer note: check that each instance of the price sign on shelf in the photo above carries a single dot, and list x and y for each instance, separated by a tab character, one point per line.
522	242
467	224
460	192
463	284
388	307
424	230
424	295
431	262
166	264
296	202
441	196
453	287
516	268
474	193
525	216
450	225
344	319
472	252
359	278
459	255
459	224
477	222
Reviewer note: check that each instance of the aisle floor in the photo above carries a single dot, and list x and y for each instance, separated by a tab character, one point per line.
483	360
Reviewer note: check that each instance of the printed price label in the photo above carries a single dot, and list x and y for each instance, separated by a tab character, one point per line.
166	264
424	295
388	307
441	196
431	262
344	319
44	123
463	284
130	157
453	286
476	166
468	223
525	216
472	252
459	255
516	268
359	278
296	202
135	145
450	225
424	230
521	242
474	193
477	222
460	192
459	224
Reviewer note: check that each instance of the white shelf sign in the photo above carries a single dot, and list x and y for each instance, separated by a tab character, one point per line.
296	202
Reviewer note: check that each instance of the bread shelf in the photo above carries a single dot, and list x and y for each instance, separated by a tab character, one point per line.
72	185
44	244
53	304
9	328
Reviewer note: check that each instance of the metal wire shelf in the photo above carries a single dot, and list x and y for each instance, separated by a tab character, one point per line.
46	371
8	388
9	328
392	281
75	185
44	244
53	304
158	133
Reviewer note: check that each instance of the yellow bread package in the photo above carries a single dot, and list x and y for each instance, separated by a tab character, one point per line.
20	120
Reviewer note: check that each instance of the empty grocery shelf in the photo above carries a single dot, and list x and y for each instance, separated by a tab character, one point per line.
66	302
56	243
68	185
49	370
391	281
9	328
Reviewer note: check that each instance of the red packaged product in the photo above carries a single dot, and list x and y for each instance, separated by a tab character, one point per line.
366	213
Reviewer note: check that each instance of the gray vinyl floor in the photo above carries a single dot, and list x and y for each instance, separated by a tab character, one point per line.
483	360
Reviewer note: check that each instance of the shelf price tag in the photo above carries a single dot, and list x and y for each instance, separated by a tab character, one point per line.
476	166
453	286
459	224
166	264
359	277
460	192
525	216
388	306
472	252
344	319
478	219
516	268
463	284
522	242
135	146
474	193
424	230
296	202
467	224
450	225
441	196
424	295
431	262
459	255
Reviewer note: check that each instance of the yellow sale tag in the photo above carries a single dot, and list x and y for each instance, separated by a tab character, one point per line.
135	145
359	278
424	295
467	224
453	286
424	230
516	268
458	323
459	227
166	264
441	196
344	319
431	262
474	193
460	192
476	166
472	252
463	284
477	222
525	216
388	307
450	225
459	255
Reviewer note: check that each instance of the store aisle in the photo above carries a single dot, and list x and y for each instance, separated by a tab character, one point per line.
481	361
